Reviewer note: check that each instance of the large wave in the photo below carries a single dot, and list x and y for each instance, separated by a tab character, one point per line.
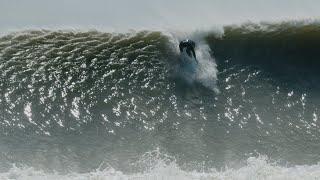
74	102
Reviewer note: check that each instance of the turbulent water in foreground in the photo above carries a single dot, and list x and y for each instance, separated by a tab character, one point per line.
94	105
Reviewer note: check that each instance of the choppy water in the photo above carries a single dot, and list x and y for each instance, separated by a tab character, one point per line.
81	105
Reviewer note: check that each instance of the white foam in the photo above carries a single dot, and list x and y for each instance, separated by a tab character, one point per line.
256	168
205	72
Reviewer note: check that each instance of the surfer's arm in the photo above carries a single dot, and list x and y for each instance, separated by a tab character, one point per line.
194	53
180	47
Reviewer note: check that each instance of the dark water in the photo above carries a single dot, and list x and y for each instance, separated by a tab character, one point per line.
80	101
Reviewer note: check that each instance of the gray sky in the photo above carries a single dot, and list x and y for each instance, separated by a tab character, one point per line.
144	14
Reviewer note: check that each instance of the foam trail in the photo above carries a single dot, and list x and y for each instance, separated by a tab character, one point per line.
207	71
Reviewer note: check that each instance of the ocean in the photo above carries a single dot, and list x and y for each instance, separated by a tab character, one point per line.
89	104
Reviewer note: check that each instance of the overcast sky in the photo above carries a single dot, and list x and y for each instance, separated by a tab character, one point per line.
137	14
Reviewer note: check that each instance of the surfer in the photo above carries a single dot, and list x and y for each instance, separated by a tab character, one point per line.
188	46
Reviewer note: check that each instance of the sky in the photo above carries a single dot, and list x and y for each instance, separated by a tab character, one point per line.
144	14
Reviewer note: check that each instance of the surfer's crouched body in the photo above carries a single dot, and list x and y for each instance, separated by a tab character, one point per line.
189	45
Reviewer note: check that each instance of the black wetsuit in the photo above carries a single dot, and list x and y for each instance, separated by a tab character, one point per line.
189	45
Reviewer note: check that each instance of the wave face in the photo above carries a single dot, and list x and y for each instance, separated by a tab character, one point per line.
286	46
103	105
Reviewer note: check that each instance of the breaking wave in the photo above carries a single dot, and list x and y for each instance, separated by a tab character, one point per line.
94	105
